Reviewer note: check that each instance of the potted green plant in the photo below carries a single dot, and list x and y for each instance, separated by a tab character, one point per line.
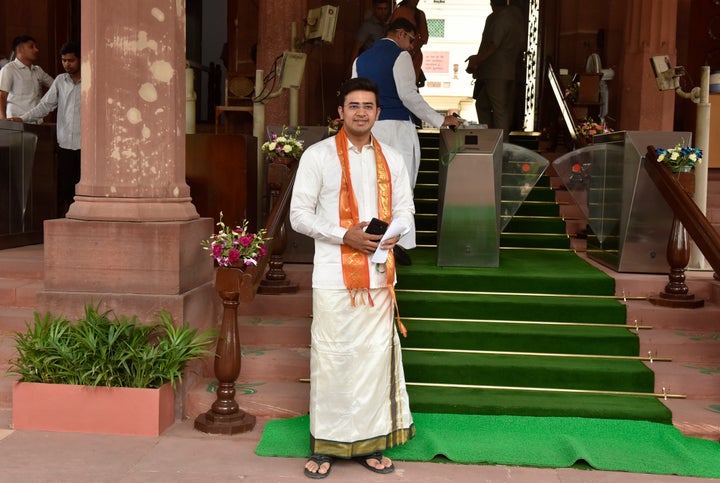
102	373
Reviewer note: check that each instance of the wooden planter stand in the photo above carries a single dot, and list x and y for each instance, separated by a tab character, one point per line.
225	416
676	293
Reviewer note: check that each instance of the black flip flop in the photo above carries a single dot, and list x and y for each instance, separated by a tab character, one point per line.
374	456
319	459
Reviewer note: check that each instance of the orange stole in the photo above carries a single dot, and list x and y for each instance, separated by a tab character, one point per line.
355	263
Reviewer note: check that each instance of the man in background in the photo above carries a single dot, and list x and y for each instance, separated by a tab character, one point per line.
373	28
64	95
21	80
409	10
494	66
389	65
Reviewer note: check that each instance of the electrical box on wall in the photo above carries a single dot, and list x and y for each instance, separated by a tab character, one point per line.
320	23
292	69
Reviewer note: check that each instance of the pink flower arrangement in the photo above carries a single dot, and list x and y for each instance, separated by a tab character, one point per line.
234	246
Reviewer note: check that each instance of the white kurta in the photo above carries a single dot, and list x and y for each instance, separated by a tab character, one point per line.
314	207
358	400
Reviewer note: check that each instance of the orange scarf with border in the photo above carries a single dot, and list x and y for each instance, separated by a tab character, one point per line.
355	263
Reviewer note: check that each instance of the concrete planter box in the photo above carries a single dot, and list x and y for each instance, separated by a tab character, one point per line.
83	409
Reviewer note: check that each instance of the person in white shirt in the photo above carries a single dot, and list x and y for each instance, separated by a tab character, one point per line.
64	95
389	65
358	400
21	81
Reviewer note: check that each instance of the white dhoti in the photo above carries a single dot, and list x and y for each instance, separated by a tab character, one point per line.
358	400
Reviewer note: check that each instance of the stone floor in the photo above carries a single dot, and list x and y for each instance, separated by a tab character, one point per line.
182	454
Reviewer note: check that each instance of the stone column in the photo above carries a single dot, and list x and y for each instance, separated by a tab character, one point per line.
650	27
275	18
131	239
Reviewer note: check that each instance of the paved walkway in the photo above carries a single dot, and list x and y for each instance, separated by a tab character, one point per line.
182	454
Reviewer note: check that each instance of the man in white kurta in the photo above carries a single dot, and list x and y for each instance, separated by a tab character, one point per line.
358	401
389	65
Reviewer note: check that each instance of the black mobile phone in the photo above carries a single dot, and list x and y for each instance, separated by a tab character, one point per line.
376	227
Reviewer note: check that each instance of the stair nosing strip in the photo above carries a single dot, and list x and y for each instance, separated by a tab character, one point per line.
527	322
547	389
552	295
538	354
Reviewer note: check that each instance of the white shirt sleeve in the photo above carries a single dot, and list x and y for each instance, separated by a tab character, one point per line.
306	197
45	78
6	79
404	75
47	104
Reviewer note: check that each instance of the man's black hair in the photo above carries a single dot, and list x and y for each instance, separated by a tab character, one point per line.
21	39
70	48
358	84
402	24
375	2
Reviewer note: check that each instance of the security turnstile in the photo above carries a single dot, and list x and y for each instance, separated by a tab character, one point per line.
628	219
469	198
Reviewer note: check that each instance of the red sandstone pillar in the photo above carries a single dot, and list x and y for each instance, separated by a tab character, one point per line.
275	18
131	239
650	27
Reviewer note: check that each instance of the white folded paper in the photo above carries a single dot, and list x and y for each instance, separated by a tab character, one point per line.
396	228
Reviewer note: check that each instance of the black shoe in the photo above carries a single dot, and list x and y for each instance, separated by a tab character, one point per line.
401	256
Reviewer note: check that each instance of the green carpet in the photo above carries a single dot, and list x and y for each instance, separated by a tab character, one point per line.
537	311
520	271
611	445
512	402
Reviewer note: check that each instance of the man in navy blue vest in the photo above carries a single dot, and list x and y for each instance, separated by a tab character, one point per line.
389	65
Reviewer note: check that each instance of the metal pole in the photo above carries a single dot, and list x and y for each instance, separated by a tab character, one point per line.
294	91
258	132
702	141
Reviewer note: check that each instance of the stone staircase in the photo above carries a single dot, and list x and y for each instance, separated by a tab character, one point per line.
274	333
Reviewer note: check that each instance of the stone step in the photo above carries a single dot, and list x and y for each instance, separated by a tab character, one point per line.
645	313
682	346
14	318
19	292
25	263
264	400
7	352
276	364
698	418
273	330
696	381
297	304
700	282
